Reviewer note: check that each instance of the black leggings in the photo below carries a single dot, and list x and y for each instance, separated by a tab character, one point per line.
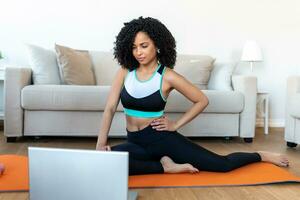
147	146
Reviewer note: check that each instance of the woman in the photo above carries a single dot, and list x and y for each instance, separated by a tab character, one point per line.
146	51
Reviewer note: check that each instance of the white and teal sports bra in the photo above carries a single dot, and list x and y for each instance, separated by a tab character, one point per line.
143	98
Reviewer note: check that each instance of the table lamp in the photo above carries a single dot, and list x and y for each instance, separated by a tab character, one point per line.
251	53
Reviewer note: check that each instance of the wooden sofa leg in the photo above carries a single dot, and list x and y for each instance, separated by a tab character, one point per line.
248	140
11	139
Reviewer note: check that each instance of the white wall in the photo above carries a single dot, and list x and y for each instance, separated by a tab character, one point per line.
215	27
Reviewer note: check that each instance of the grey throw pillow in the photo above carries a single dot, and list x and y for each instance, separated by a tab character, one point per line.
221	76
44	65
196	69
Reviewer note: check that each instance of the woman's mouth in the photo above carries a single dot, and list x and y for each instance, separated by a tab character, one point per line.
140	59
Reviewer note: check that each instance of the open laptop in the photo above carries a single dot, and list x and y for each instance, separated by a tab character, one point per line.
62	174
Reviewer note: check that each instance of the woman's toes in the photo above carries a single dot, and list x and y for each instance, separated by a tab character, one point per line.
196	171
283	163
190	168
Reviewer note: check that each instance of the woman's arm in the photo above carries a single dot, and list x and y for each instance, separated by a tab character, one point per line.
190	91
110	108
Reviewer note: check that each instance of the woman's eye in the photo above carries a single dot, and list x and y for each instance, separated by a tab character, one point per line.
144	46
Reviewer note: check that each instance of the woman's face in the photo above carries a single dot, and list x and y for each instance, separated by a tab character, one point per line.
143	48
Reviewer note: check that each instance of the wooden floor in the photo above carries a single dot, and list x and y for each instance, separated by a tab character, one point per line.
273	142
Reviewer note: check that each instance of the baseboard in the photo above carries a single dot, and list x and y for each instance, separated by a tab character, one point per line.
272	122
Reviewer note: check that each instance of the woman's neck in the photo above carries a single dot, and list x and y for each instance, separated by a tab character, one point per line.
148	68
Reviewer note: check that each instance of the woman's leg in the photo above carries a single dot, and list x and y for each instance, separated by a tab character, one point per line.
140	162
183	150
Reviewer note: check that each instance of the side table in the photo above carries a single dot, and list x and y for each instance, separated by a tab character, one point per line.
263	109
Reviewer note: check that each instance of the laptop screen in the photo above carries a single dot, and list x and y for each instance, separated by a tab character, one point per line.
62	174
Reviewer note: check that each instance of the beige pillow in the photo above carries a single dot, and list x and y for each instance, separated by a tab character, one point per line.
75	66
195	68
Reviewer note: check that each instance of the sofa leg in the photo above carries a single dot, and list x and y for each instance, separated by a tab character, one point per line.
248	140
227	138
36	137
11	139
291	144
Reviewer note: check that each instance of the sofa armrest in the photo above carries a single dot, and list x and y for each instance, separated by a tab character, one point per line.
248	86
292	96
293	85
293	104
15	80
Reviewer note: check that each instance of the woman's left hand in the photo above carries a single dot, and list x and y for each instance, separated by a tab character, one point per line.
163	124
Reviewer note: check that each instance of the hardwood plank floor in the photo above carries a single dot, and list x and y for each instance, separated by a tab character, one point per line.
273	142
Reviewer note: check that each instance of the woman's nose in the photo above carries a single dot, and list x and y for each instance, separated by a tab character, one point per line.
139	51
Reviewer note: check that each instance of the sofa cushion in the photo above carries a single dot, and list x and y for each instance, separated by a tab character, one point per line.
44	65
219	102
64	97
195	68
75	66
93	98
220	78
105	67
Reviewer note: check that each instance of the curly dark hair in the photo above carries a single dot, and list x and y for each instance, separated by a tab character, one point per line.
156	30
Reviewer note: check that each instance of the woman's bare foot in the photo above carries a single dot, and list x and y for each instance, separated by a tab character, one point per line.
171	167
275	158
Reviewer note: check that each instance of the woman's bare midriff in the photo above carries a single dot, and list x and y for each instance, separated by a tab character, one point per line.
136	124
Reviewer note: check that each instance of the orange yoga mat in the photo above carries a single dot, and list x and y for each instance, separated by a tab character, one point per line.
15	177
252	174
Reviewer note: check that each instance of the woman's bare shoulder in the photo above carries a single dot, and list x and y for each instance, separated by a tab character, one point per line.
122	71
171	74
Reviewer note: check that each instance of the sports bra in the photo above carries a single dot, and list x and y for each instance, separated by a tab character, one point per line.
143	98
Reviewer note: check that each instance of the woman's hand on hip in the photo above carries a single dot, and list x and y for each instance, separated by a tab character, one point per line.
163	124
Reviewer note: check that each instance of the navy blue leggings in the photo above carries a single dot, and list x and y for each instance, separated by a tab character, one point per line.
147	146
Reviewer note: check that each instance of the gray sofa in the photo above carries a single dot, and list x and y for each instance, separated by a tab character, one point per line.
292	119
73	110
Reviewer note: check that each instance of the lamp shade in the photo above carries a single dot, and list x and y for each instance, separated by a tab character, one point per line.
251	52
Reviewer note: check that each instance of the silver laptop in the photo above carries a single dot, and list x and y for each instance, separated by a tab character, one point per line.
61	174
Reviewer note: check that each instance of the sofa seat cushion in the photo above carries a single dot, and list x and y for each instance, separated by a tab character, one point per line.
64	97
93	98
219	102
